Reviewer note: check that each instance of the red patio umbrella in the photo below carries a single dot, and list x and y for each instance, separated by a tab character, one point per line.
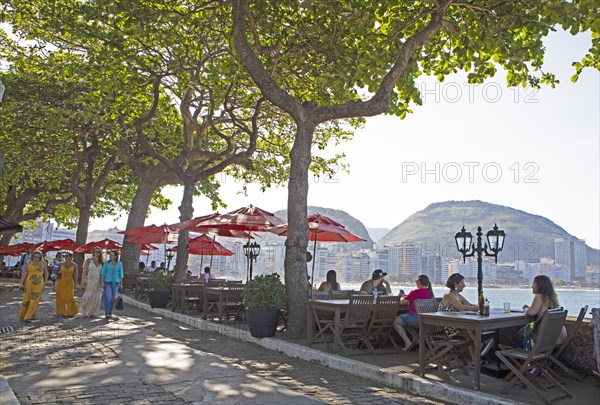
164	234
248	219
54	245
321	229
16	249
204	245
197	225
104	244
152	234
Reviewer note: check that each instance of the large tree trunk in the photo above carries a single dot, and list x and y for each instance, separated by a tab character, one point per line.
130	253
296	281
81	235
186	211
5	238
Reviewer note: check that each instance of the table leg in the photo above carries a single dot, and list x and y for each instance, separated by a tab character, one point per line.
336	332
309	326
221	305
422	350
477	348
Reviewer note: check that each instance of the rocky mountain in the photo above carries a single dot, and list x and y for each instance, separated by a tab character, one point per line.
528	236
377	233
351	223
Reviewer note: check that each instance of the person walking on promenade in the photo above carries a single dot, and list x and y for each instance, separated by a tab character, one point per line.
111	275
90	303
422	292
35	275
65	287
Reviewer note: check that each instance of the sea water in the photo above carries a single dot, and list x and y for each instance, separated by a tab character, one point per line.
571	300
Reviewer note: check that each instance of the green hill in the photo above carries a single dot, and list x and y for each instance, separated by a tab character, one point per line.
528	236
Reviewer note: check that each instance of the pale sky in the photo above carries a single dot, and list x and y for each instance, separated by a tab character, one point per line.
537	151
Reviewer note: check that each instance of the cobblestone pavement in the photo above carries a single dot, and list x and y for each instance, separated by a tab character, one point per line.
141	358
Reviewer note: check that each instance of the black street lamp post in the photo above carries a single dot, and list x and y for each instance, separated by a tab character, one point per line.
170	256
251	251
495	243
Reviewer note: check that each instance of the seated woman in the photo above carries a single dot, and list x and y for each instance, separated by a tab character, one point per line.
454	301
331	283
544	298
422	292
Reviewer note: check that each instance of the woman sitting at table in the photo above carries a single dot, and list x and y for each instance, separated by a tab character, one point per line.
423	292
544	298
331	283
454	301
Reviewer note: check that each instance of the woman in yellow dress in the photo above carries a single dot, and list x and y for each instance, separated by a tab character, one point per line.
33	280
65	287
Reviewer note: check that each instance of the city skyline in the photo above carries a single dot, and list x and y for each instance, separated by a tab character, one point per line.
536	151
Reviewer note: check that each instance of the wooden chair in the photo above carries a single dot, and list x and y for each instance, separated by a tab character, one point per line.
233	306
323	321
446	352
192	298
535	363
355	321
381	323
558	350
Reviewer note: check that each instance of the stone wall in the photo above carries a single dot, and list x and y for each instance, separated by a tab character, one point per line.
580	351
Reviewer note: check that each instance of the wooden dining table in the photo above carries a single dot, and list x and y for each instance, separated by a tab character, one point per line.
476	324
338	308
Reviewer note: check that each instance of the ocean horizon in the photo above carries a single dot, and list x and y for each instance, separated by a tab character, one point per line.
570	299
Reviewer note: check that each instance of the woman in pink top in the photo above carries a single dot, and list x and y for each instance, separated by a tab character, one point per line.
422	292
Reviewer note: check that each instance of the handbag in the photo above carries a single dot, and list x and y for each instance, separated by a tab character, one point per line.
530	334
119	303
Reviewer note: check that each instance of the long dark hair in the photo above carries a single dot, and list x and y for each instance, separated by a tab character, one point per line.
546	289
453	280
116	254
332	280
424	280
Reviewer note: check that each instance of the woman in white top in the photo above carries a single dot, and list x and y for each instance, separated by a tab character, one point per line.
90	303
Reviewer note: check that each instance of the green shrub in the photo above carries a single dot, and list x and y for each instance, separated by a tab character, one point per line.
264	292
157	280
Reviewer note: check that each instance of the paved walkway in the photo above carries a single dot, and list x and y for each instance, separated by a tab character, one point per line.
143	358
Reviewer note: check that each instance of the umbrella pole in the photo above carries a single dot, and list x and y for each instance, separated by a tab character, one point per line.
212	251
248	275
312	276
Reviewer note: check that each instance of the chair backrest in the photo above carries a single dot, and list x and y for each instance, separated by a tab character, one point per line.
321	295
342	294
571	335
385	309
548	331
426	306
234	294
215	283
359	309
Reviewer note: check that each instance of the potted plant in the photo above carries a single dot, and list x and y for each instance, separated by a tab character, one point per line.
263	298
158	292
